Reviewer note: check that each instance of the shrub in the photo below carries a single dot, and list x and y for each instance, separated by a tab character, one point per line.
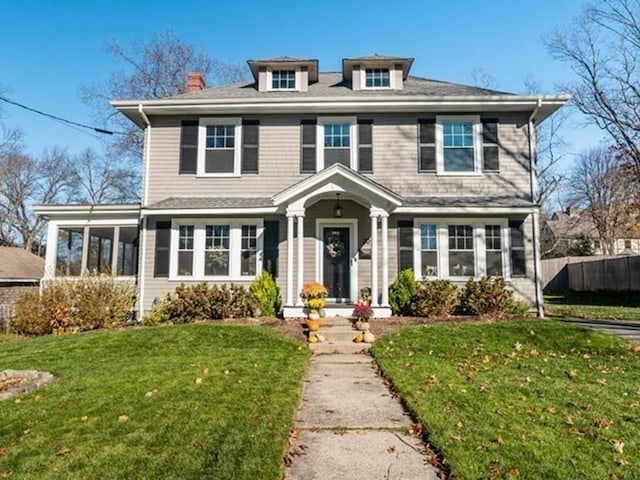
520	309
85	303
266	294
402	292
438	298
487	297
190	303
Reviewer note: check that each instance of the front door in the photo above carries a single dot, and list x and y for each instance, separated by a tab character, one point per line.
336	262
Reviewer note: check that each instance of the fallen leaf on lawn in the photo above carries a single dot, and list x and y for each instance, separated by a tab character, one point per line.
459	438
198	381
602	381
486	359
577	432
226	372
622	462
459	424
601	422
17	400
62	451
518	346
500	440
551	409
618	446
571	373
574	460
84	418
4	452
123	418
568	420
151	393
205	371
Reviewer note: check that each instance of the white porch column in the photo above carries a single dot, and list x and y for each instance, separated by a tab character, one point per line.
385	260
52	250
289	300
300	257
374	258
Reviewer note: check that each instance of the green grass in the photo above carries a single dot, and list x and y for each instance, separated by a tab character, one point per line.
594	305
528	399
233	424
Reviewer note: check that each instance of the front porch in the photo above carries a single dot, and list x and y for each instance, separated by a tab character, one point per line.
338	235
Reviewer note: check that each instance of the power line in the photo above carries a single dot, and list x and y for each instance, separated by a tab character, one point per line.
60	119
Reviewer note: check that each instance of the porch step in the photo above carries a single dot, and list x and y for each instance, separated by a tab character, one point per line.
338	333
327	347
336	321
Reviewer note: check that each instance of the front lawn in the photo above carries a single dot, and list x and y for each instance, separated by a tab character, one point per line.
594	305
528	399
178	402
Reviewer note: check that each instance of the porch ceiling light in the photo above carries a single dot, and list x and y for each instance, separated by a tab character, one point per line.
337	210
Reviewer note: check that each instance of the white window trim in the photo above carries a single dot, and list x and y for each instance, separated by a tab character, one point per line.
353	140
477	144
202	142
479	246
199	238
270	80
363	78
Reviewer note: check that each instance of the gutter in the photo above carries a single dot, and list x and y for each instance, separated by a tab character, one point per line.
145	223
537	266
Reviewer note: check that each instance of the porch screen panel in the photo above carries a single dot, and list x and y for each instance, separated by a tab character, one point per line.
308	146
128	251
100	250
270	247
69	251
163	242
405	244
188	147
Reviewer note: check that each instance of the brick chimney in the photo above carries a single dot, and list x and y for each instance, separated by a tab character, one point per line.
195	82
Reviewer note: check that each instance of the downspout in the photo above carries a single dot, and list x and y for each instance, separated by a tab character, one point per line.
537	267
145	198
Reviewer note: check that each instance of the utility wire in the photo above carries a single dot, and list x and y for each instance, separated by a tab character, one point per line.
60	119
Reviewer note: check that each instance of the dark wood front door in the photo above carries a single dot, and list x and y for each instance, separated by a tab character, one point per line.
335	261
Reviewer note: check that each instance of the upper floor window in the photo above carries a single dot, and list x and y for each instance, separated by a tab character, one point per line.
377	78
283	79
459	145
339	142
219	150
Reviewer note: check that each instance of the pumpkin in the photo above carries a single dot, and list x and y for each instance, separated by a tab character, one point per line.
359	338
368	337
320	337
313	339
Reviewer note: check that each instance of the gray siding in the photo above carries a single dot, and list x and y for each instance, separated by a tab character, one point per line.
394	161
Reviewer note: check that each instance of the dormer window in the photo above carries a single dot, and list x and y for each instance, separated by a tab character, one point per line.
377	78
283	80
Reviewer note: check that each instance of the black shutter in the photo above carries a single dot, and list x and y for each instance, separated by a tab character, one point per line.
365	146
518	261
426	145
250	136
270	247
490	145
163	243
405	244
308	146
189	147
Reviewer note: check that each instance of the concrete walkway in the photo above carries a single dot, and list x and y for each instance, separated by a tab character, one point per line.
349	427
629	330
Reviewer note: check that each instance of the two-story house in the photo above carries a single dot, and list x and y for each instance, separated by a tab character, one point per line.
345	178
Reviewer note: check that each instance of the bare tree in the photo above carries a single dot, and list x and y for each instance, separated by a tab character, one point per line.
102	179
603	185
481	78
27	181
155	68
551	148
602	47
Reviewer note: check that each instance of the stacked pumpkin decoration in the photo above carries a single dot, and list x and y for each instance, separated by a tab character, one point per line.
314	295
362	313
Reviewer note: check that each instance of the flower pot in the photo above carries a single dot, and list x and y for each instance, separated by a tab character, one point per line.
314	325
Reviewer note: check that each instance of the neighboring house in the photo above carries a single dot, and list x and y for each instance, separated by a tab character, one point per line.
20	272
345	178
573	223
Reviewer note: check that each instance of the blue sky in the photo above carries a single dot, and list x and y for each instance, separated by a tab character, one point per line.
49	49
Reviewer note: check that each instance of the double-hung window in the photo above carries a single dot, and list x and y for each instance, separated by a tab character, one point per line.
462	258
377	78
493	246
339	142
283	80
429	250
216	249
458	145
219	150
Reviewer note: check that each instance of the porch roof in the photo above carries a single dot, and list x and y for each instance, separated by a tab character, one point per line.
338	179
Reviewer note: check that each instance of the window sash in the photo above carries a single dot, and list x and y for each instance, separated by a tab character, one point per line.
221	137
377	78
337	135
283	79
458	145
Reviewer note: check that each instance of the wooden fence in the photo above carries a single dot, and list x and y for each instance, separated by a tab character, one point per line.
591	274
